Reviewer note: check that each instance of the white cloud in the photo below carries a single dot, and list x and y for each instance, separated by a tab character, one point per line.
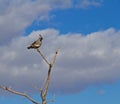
83	61
87	3
16	15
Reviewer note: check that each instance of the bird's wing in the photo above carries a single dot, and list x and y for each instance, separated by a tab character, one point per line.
33	43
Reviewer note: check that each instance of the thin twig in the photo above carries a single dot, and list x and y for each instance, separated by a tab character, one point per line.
18	93
43	83
55	56
42	56
52	100
49	101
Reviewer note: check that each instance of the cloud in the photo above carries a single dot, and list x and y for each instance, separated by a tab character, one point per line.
83	61
87	3
16	15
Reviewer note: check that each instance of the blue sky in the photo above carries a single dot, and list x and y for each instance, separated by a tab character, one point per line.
90	70
84	20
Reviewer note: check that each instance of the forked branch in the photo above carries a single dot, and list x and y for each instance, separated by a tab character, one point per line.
45	89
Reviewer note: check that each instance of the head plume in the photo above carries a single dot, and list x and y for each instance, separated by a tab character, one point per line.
40	37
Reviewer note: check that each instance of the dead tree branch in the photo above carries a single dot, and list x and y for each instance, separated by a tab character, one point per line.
42	56
45	89
18	93
55	56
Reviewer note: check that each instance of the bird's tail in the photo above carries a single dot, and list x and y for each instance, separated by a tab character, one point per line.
29	47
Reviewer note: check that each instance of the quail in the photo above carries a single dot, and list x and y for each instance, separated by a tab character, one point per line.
36	44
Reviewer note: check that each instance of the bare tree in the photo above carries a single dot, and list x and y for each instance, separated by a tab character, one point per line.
43	91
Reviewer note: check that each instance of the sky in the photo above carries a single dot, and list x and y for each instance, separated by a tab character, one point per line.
87	68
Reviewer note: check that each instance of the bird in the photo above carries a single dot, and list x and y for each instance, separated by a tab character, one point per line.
36	44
